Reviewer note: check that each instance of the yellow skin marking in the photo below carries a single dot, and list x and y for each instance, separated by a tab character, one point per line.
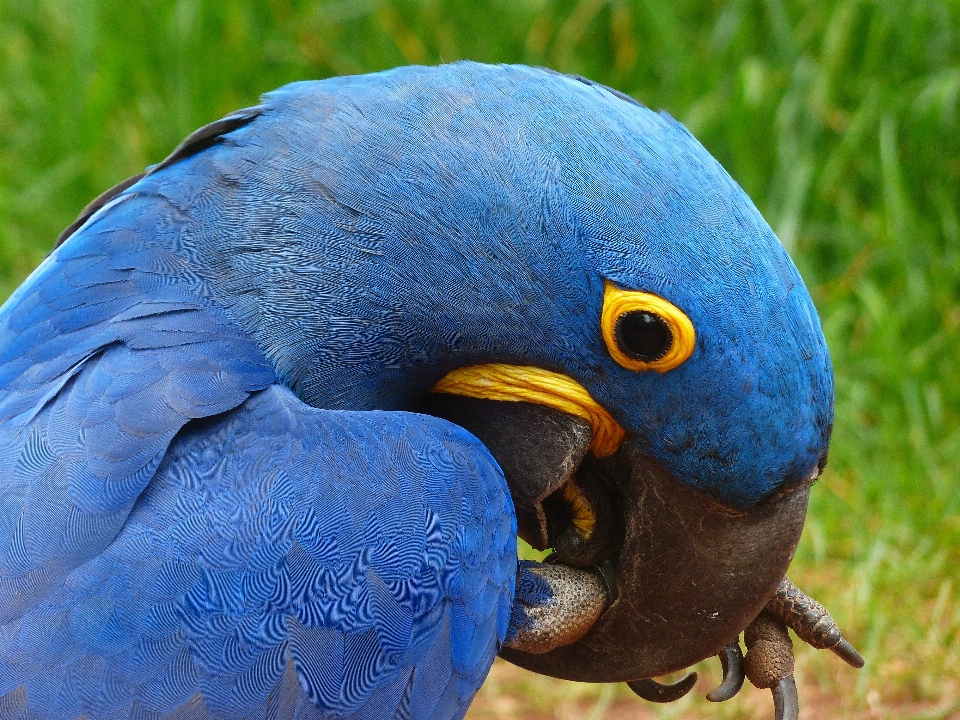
617	301
581	511
524	383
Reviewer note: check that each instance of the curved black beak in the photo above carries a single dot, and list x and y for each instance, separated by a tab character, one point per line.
691	575
690	572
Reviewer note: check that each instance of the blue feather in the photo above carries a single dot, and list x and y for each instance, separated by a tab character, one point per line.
351	623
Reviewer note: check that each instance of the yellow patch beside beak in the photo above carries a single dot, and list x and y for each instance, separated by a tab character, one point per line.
518	383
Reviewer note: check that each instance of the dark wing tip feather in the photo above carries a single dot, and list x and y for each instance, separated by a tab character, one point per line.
94	205
198	140
592	83
208	135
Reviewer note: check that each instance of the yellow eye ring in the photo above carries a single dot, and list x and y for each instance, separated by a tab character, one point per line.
643	331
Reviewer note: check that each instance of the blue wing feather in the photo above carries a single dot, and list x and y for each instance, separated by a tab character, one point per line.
268	538
101	365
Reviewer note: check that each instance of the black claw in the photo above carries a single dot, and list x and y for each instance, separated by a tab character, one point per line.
609	574
786	704
848	653
659	693
731	659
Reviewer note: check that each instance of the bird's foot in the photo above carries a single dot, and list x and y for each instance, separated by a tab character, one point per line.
811	622
769	659
554	605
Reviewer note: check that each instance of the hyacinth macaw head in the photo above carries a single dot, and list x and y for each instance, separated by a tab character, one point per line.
586	289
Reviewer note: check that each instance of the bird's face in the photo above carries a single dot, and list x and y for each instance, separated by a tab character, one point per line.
584	288
704	343
668	399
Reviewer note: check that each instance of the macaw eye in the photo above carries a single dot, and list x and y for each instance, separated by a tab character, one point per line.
643	331
642	335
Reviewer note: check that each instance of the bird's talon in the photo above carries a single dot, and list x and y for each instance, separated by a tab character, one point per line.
848	653
609	574
731	660
811	622
786	703
649	689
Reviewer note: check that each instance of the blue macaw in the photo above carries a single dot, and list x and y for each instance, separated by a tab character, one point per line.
221	495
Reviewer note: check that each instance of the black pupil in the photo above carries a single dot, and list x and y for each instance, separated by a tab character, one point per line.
641	335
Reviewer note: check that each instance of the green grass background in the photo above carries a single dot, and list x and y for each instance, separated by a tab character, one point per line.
839	118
